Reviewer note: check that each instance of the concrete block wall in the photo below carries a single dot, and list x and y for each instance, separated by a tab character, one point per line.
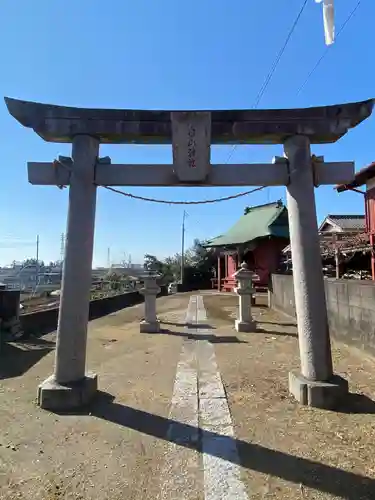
350	306
351	312
281	294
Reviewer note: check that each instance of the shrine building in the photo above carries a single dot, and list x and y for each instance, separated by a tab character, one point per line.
258	239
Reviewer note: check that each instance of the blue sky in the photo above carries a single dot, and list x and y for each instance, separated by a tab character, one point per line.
167	54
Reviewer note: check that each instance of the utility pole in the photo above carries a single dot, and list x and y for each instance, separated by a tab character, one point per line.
37	258
183	248
108	257
37	251
62	247
62	254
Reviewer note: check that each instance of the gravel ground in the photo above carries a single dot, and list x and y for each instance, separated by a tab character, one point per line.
116	448
287	450
99	454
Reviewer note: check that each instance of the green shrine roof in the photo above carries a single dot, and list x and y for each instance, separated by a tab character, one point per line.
258	222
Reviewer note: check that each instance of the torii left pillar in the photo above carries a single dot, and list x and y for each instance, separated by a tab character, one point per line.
70	386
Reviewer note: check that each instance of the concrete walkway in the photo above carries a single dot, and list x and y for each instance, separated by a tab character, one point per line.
195	412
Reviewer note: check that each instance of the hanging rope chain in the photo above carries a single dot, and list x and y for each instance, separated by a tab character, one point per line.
171	202
57	163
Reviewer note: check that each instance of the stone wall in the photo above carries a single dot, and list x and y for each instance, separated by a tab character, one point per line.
37	323
350	305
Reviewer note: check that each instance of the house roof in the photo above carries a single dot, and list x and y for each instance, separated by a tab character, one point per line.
345	222
360	178
261	221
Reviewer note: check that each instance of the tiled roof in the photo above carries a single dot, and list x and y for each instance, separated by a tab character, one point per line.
348	222
264	220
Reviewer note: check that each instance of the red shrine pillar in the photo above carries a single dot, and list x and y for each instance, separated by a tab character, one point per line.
372	242
370	220
218	272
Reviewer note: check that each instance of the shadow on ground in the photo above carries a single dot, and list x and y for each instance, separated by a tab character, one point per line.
189	325
272	332
224	308
357	403
298	470
279	324
214	339
16	358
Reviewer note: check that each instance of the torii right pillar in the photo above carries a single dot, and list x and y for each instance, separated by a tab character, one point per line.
315	385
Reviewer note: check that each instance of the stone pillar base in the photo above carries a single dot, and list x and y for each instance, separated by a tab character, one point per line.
56	397
149	326
244	326
325	395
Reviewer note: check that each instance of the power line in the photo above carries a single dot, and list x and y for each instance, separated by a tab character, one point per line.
279	56
16	244
274	65
327	48
277	60
282	50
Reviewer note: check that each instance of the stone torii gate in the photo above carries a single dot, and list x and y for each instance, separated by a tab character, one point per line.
191	134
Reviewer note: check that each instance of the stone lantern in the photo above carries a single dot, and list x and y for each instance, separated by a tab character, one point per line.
245	291
150	290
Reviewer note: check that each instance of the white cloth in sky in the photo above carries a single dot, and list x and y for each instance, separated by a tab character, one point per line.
328	20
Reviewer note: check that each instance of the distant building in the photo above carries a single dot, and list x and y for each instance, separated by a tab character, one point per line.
343	243
129	270
343	224
29	277
366	177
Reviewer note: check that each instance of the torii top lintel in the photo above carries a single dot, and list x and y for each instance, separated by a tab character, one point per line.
325	124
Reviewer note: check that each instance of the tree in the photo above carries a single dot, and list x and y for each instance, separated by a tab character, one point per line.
172	266
116	280
166	268
199	263
33	262
202	257
56	263
152	263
